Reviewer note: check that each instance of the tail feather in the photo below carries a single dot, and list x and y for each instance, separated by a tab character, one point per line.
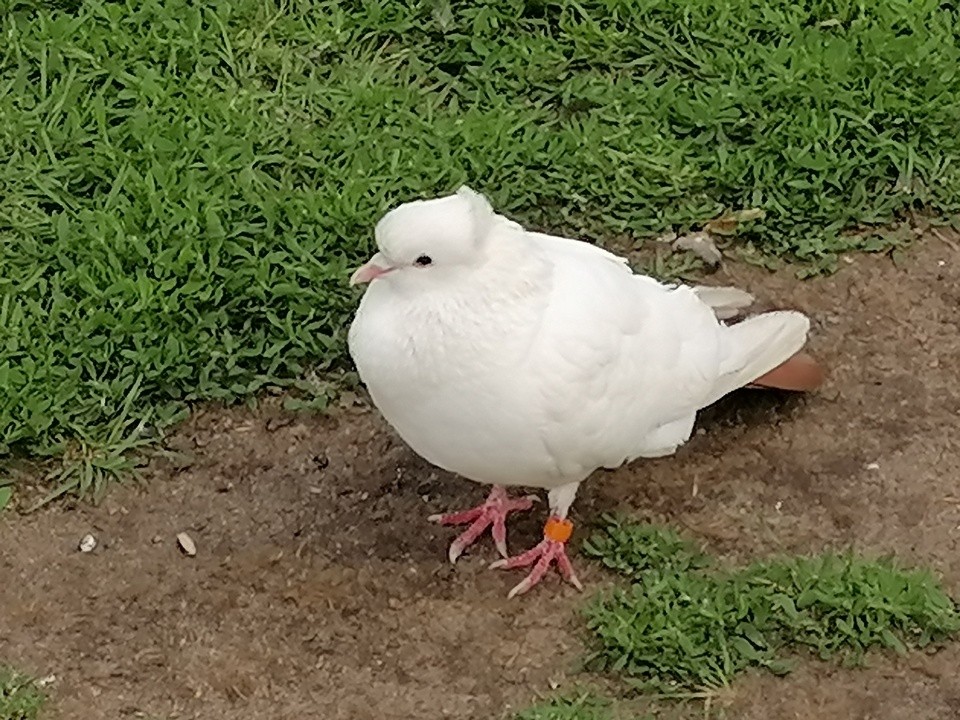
726	302
757	346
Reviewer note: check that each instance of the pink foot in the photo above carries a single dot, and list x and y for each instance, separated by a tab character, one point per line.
551	549
493	512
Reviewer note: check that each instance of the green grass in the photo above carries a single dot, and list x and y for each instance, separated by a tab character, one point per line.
184	185
680	628
582	707
19	697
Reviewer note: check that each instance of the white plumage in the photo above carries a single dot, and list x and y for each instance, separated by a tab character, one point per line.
512	357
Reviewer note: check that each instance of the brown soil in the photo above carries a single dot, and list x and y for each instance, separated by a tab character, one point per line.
320	591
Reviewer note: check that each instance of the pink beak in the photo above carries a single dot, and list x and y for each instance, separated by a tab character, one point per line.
371	271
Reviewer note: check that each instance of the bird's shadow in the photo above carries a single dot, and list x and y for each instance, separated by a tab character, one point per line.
750	408
741	409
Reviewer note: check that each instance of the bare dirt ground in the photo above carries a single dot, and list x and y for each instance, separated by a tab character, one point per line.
319	590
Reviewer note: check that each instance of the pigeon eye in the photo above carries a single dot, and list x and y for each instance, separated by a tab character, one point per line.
424	260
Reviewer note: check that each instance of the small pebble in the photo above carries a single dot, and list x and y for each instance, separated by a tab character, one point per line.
88	543
186	544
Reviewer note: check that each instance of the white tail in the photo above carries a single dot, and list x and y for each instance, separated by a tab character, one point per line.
726	302
756	346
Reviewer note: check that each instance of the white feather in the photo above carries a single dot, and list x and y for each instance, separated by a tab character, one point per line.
727	302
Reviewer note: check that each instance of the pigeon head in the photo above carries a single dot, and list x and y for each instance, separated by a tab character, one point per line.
428	241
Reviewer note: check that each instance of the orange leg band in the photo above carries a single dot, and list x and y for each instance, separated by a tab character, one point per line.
558	529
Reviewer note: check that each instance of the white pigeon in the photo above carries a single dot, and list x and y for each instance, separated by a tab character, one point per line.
511	357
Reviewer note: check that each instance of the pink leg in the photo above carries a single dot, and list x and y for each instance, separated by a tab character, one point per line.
493	513
551	549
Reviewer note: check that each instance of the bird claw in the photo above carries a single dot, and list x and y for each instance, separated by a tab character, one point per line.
500	541
455	551
492	513
542	556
